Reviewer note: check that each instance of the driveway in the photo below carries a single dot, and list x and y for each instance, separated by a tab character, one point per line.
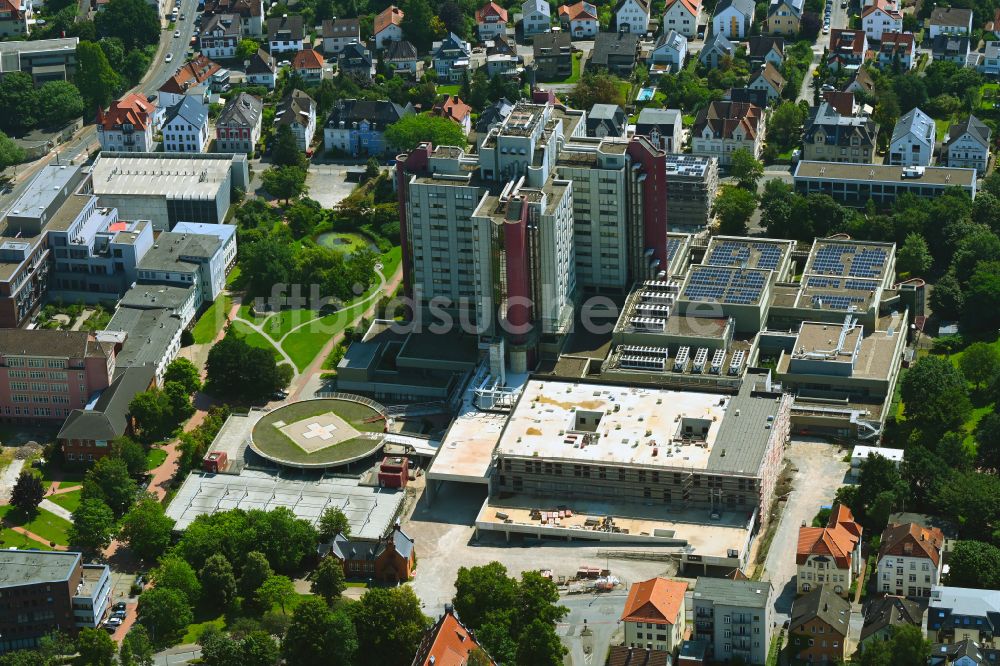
820	471
591	624
8	479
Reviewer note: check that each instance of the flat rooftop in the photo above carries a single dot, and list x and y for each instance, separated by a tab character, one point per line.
234	435
613	424
371	511
182	178
884	173
43	189
92	575
31	567
764	254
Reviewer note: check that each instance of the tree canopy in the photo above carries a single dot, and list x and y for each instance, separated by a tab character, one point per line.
934	395
409	131
93	527
389	624
318	636
239	371
28	492
147	529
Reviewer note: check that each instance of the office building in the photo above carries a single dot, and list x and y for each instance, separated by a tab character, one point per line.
734	617
44	59
853	184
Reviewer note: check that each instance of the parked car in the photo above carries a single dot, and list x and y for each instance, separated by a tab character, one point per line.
121	605
170	56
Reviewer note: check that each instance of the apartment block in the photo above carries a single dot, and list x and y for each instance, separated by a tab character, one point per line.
691	182
909	560
654	615
734	617
829	556
955	614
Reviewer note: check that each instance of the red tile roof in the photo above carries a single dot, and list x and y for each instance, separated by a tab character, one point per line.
655	600
842	102
453	108
308	59
725	117
912	540
578	12
898	39
838	539
13	8
847	41
190	74
887	6
491	9
132	109
692	6
391	15
447	643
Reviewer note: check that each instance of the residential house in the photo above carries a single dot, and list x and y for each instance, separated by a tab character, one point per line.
356	61
990	62
622	655
494	115
454	109
579	19
338	33
127	125
715	49
553	53
606	120
953	48
956	614
963	653
881	16
842	102
500	45
191	78
784	17
401	57
491	21
884	615
357	127
733	19
829	556
285	34
724	127
185	129
909	560
654	616
967	145
913	139
818	629
536	17
897	50
950	21
448	642
948	529
682	16
663	128
848	48
669	53
734	617
309	64
832	136
262	70
765	48
861	83
251	13
769	79
450	58
237	129
298	111
13	18
388	26
502	64
632	16
220	36
615	52
390	559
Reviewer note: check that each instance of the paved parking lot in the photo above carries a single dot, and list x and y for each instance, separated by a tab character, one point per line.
327	183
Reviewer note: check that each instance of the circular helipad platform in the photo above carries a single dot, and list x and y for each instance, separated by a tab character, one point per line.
325	432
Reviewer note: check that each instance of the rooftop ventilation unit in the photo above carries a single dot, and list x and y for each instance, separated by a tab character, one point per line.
680	361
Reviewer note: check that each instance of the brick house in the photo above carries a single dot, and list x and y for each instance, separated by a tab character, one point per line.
819	627
390	559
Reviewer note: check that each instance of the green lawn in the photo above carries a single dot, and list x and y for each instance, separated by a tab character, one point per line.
68	501
390	262
67	477
449	89
11	539
233	276
255	339
212	321
45	524
155	458
283	322
342	242
274	442
196	629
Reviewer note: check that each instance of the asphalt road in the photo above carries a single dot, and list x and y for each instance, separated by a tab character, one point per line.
79	147
838	19
590	625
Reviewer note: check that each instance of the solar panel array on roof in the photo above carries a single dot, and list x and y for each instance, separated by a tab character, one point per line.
673	244
830	259
770	255
848	284
730	253
849	260
868	263
836	302
725	285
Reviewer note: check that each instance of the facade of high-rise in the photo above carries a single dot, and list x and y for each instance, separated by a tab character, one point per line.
510	238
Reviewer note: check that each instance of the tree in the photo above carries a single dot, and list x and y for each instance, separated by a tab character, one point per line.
93	527
179	402
256	570
980	362
17	91
881	490
136	64
185	373
28	492
934	395
165	612
285	150
333	522
733	207
218	581
278	590
969	499
237	370
328	579
539	645
987	436
303	216
10	152
482	590
259	649
176	574
389	625
947	299
134	22
139	645
246	49
598	88
147	529
409	131
974	564
286	182
909	646
785	125
131	453
318	636
914	257
417	24
95	648
984	290
97	81
746	169
153	415
60	102
109	481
